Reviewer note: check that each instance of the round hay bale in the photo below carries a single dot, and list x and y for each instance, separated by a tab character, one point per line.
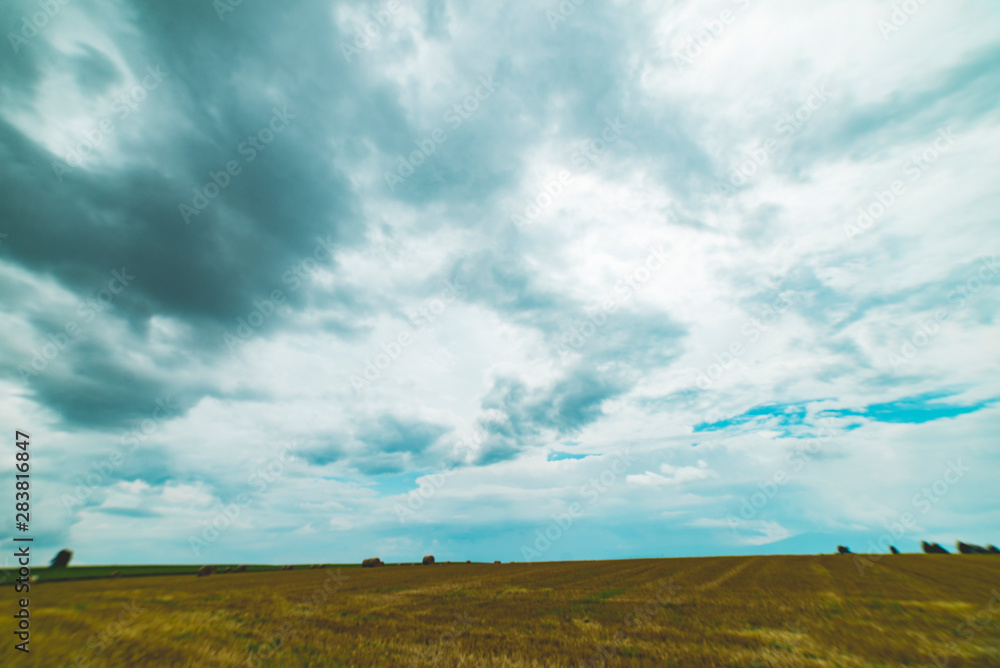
372	562
968	548
932	548
206	570
428	560
497	561
115	575
241	569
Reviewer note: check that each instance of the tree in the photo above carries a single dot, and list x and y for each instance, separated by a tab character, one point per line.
61	560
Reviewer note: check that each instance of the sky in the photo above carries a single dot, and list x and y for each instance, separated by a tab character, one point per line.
320	281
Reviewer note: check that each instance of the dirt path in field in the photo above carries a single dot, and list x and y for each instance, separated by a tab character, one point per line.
725	577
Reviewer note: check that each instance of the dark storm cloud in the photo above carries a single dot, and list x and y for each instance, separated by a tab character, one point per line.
501	279
571	403
80	223
285	202
615	349
94	72
93	389
386	444
393	434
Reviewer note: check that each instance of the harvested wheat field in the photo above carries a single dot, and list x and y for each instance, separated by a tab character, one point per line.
719	611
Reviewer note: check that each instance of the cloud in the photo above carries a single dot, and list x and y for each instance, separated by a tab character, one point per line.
673	475
760	532
773	248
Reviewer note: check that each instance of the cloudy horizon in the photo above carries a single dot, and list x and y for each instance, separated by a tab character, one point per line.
333	280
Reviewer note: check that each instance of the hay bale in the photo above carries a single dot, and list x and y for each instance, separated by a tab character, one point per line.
320	565
993	549
206	570
372	562
497	561
843	550
61	560
467	561
892	548
241	569
933	548
226	569
428	560
115	575
968	548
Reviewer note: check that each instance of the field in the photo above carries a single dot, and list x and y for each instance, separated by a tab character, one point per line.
89	572
718	611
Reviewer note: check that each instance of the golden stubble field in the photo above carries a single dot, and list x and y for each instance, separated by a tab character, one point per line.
719	611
